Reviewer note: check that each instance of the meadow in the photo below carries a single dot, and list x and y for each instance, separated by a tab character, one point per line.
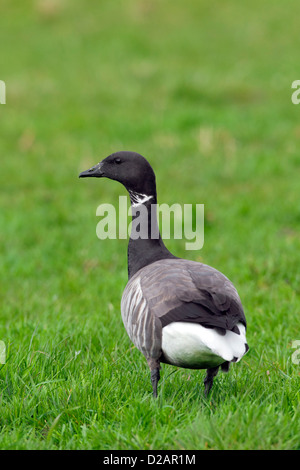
203	90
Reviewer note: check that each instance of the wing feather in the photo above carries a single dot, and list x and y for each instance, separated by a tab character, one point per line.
182	290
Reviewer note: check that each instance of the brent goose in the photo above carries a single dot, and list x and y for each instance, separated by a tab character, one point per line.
175	311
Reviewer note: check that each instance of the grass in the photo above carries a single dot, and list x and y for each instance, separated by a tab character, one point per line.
204	91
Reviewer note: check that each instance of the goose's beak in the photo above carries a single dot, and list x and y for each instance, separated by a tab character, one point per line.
95	171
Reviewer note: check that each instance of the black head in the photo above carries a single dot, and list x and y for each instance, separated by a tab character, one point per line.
129	168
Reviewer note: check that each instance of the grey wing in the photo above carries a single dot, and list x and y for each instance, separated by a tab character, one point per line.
186	291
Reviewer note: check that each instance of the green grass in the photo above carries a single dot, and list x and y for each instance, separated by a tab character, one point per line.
203	89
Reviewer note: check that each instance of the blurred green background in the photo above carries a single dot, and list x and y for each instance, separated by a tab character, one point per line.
203	90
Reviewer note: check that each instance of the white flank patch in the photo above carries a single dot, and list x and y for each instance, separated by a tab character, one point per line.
194	346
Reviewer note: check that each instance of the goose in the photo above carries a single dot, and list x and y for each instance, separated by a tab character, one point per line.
175	311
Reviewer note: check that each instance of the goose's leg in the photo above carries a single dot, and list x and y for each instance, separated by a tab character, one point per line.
155	375
208	381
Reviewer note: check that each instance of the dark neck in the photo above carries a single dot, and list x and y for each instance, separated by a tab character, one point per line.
145	243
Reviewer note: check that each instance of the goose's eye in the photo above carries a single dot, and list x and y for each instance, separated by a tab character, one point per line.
117	160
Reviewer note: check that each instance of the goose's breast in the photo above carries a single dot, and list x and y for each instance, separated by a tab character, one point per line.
143	328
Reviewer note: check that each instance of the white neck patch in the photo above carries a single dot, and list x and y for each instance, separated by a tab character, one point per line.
138	198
